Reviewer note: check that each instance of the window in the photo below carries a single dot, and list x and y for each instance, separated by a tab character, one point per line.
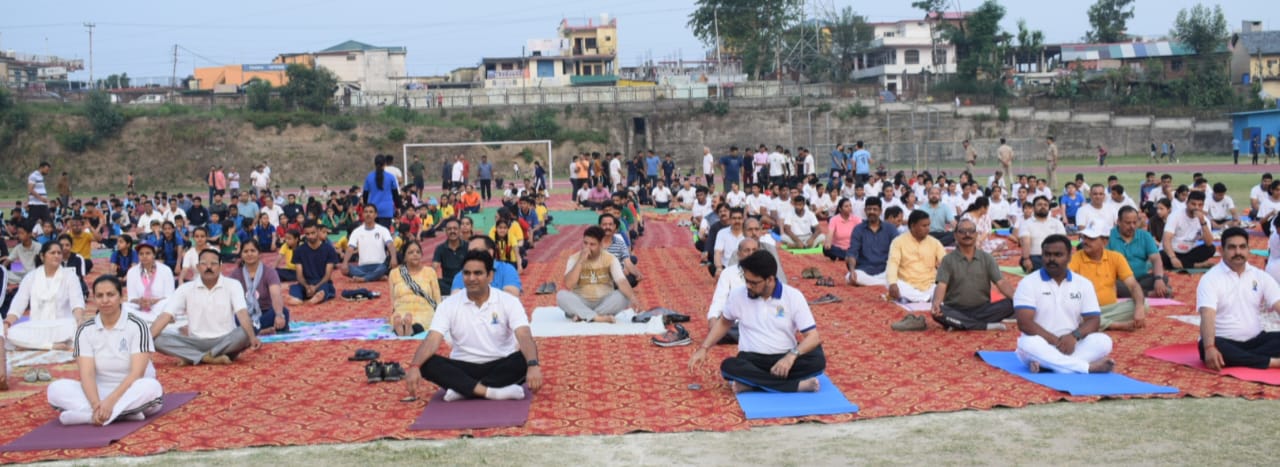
940	57
911	57
888	34
891	58
351	57
591	43
1175	65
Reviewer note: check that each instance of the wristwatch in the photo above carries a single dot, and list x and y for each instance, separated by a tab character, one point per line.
795	351
532	363
1076	334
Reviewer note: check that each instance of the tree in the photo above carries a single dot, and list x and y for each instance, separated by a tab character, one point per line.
1109	18
309	89
978	42
105	117
258	93
751	29
850	35
1201	29
1030	44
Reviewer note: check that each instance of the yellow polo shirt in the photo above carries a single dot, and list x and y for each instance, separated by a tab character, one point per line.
914	262
1103	273
82	244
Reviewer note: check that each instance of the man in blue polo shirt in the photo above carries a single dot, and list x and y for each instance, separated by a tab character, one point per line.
868	253
505	277
651	163
1143	254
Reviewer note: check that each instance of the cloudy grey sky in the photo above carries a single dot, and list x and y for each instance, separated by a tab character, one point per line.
137	37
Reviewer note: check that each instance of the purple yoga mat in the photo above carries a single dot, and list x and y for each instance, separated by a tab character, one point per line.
55	435
472	413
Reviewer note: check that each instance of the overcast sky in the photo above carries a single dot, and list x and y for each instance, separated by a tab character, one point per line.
138	37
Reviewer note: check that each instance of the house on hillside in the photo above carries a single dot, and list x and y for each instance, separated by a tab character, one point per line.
1136	56
1255	56
234	77
585	54
904	53
363	67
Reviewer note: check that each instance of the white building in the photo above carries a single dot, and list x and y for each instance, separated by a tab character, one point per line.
363	67
902	52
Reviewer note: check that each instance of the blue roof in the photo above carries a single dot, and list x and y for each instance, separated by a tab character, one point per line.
1123	51
1254	112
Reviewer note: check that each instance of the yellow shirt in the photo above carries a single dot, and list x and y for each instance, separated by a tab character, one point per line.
542	214
82	244
286	255
515	235
1103	273
446	211
427	222
914	262
404	301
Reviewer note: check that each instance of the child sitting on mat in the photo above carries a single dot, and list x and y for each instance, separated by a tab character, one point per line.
113	352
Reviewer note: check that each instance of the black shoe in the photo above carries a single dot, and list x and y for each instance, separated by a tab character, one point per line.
363	355
675	338
392	372
373	372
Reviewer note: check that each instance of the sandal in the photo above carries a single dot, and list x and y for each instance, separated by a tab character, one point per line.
31	375
42	374
373	372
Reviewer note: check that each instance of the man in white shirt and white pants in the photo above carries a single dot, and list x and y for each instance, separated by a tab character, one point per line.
1059	317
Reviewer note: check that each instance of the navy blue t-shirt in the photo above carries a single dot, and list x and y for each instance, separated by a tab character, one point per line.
732	167
314	260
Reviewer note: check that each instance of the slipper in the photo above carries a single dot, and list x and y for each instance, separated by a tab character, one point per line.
810	273
363	355
31	375
42	374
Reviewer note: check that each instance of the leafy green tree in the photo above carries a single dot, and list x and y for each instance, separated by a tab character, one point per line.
1200	28
934	9
1030	44
850	35
751	29
978	42
104	117
1109	19
309	89
258	93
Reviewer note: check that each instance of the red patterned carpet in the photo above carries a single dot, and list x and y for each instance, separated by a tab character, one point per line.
307	393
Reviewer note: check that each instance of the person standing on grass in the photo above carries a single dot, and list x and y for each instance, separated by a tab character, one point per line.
769	315
417	173
1051	162
709	167
970	157
489	357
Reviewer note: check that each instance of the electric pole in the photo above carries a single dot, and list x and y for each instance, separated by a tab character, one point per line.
715	17
173	79
90	27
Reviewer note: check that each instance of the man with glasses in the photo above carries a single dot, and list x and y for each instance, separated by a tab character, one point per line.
769	316
962	299
213	306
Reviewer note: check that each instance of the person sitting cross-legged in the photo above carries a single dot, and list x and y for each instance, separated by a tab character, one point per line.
596	287
219	327
962	299
263	296
116	381
415	293
1183	229
313	262
869	244
1140	249
1059	316
769	316
912	269
492	348
505	276
149	284
1231	298
1105	268
373	244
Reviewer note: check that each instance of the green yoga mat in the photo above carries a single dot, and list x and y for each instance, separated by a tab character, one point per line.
1015	270
817	250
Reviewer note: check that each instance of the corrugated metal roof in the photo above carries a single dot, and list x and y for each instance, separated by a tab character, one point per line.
1123	51
1265	42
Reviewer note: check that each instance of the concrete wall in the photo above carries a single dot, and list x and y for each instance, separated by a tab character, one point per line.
972	110
1091	117
1052	115
1131	121
1172	123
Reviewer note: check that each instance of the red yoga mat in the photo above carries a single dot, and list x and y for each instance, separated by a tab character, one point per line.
1189	355
472	413
55	435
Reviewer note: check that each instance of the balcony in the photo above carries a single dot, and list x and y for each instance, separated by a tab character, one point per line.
592	80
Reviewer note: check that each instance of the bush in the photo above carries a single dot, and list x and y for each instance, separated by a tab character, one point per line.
855	110
396	135
717	108
104	117
1003	114
527	154
258	94
823	107
343	124
74	140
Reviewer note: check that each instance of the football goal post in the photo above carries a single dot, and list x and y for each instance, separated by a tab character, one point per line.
540	142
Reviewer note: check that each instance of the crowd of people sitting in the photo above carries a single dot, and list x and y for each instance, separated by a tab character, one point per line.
927	239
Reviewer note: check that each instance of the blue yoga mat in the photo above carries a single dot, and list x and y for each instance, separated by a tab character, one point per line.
1092	384
827	401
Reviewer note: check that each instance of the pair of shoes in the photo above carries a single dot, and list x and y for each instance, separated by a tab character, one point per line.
673	338
910	323
31	375
547	288
364	354
825	299
377	372
825	282
810	273
42	374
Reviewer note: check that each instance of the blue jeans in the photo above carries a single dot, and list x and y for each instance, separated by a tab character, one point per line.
268	320
296	291
368	272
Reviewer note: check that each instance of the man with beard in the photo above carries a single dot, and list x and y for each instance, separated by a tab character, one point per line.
1059	317
1182	230
1033	232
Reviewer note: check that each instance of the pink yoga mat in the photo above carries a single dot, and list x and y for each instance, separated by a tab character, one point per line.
472	413
1189	355
55	435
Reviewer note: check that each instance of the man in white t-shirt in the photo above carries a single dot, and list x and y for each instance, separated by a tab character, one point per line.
374	243
459	173
777	166
727	239
1118	199
735	198
274	212
492	349
686	196
1182	230
800	227
213	305
1059	317
1258	193
615	172
702	206
1220	208
1096	212
709	167
769	316
661	196
1033	232
1231	298
757	203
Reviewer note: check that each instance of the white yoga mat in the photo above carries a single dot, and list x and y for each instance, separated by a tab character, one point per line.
21	358
1270	320
549	321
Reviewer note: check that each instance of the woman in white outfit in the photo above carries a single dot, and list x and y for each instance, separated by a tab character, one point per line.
150	284
1273	249
113	352
52	293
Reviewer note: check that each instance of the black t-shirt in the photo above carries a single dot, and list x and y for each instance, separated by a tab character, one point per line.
314	260
198	215
291	211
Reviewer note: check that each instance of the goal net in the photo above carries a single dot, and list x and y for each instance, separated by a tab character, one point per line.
512	160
